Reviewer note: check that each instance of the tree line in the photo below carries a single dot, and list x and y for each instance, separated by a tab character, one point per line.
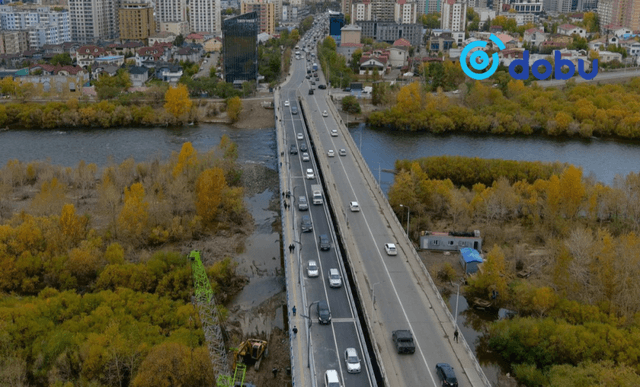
577	315
579	110
82	303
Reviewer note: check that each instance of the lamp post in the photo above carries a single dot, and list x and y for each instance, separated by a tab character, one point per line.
308	317
455	323
408	214
374	294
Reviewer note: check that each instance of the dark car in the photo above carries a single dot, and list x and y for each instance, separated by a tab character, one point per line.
303	147
324	314
313	83
305	223
322	87
308	77
323	242
310	91
447	375
293	149
294	110
317	78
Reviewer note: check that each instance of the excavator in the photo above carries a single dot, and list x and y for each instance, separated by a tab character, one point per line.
250	351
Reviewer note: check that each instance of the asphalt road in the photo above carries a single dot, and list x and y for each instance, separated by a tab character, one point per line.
328	341
400	301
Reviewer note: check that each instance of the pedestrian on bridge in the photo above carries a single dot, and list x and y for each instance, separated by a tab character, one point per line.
295	331
294	310
455	335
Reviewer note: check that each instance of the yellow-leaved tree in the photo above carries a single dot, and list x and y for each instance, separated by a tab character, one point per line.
234	107
73	227
177	101
187	159
210	187
133	216
493	276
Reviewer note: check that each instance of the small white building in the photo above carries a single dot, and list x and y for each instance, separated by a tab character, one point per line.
570	29
534	36
608	56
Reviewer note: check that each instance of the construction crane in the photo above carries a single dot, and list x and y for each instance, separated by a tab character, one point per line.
210	321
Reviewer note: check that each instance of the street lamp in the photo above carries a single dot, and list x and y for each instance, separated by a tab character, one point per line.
374	294
408	214
309	334
455	323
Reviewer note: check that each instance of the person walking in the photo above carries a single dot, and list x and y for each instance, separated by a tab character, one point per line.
294	310
275	372
455	335
295	331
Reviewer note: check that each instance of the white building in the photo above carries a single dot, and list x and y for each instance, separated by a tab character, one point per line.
520	18
570	29
404	12
171	11
42	25
93	19
454	15
360	11
204	16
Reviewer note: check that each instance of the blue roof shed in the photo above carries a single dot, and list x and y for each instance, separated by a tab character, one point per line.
470	259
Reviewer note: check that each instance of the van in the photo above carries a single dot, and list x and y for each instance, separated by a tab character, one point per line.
331	378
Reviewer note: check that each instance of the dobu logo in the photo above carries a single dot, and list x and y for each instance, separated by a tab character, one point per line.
479	59
558	64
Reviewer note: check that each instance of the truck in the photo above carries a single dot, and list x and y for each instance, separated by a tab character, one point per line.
316	192
403	340
315	67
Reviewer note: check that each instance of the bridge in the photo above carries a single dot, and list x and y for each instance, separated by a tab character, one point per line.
381	293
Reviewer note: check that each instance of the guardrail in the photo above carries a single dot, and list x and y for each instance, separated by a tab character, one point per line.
381	199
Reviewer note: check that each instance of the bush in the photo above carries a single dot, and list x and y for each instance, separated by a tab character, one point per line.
350	105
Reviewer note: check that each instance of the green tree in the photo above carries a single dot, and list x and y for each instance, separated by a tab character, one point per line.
178	41
350	104
61	59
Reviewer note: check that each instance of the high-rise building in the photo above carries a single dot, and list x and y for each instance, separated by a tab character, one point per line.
619	13
136	21
42	24
405	12
432	6
171	11
266	14
390	32
204	16
15	42
92	20
361	11
240	48
454	15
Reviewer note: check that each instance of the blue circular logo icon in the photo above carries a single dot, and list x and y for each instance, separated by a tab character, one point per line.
480	60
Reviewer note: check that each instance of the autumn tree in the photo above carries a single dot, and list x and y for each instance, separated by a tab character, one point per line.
234	108
177	101
133	216
50	199
210	187
174	364
493	276
73	227
187	160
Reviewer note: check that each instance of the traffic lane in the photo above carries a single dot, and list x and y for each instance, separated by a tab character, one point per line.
347	337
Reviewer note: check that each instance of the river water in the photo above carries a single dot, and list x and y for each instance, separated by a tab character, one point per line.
601	158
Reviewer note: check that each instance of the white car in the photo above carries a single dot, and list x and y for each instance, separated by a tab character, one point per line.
335	281
352	361
334	133
343	152
300	136
330	153
310	174
312	269
286	103
354	206
305	156
456	92
325	114
391	249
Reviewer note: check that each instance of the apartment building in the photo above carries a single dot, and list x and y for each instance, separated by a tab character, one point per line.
619	13
266	14
361	11
204	15
432	6
136	21
171	11
405	12
15	42
42	25
92	20
454	15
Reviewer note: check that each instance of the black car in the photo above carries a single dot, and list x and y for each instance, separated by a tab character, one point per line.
324	314
308	76
303	147
313	83
317	79
293	149
310	91
323	242
446	374
305	223
322	87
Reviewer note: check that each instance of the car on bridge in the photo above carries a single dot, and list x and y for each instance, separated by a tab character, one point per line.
335	281
331	153
331	378
343	152
303	205
354	206
323	242
324	314
312	269
303	147
323	87
293	149
403	340
305	223
305	156
286	103
334	132
310	174
352	361
325	114
447	375
390	248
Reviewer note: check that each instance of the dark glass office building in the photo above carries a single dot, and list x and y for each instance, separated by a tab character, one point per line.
240	48
336	22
